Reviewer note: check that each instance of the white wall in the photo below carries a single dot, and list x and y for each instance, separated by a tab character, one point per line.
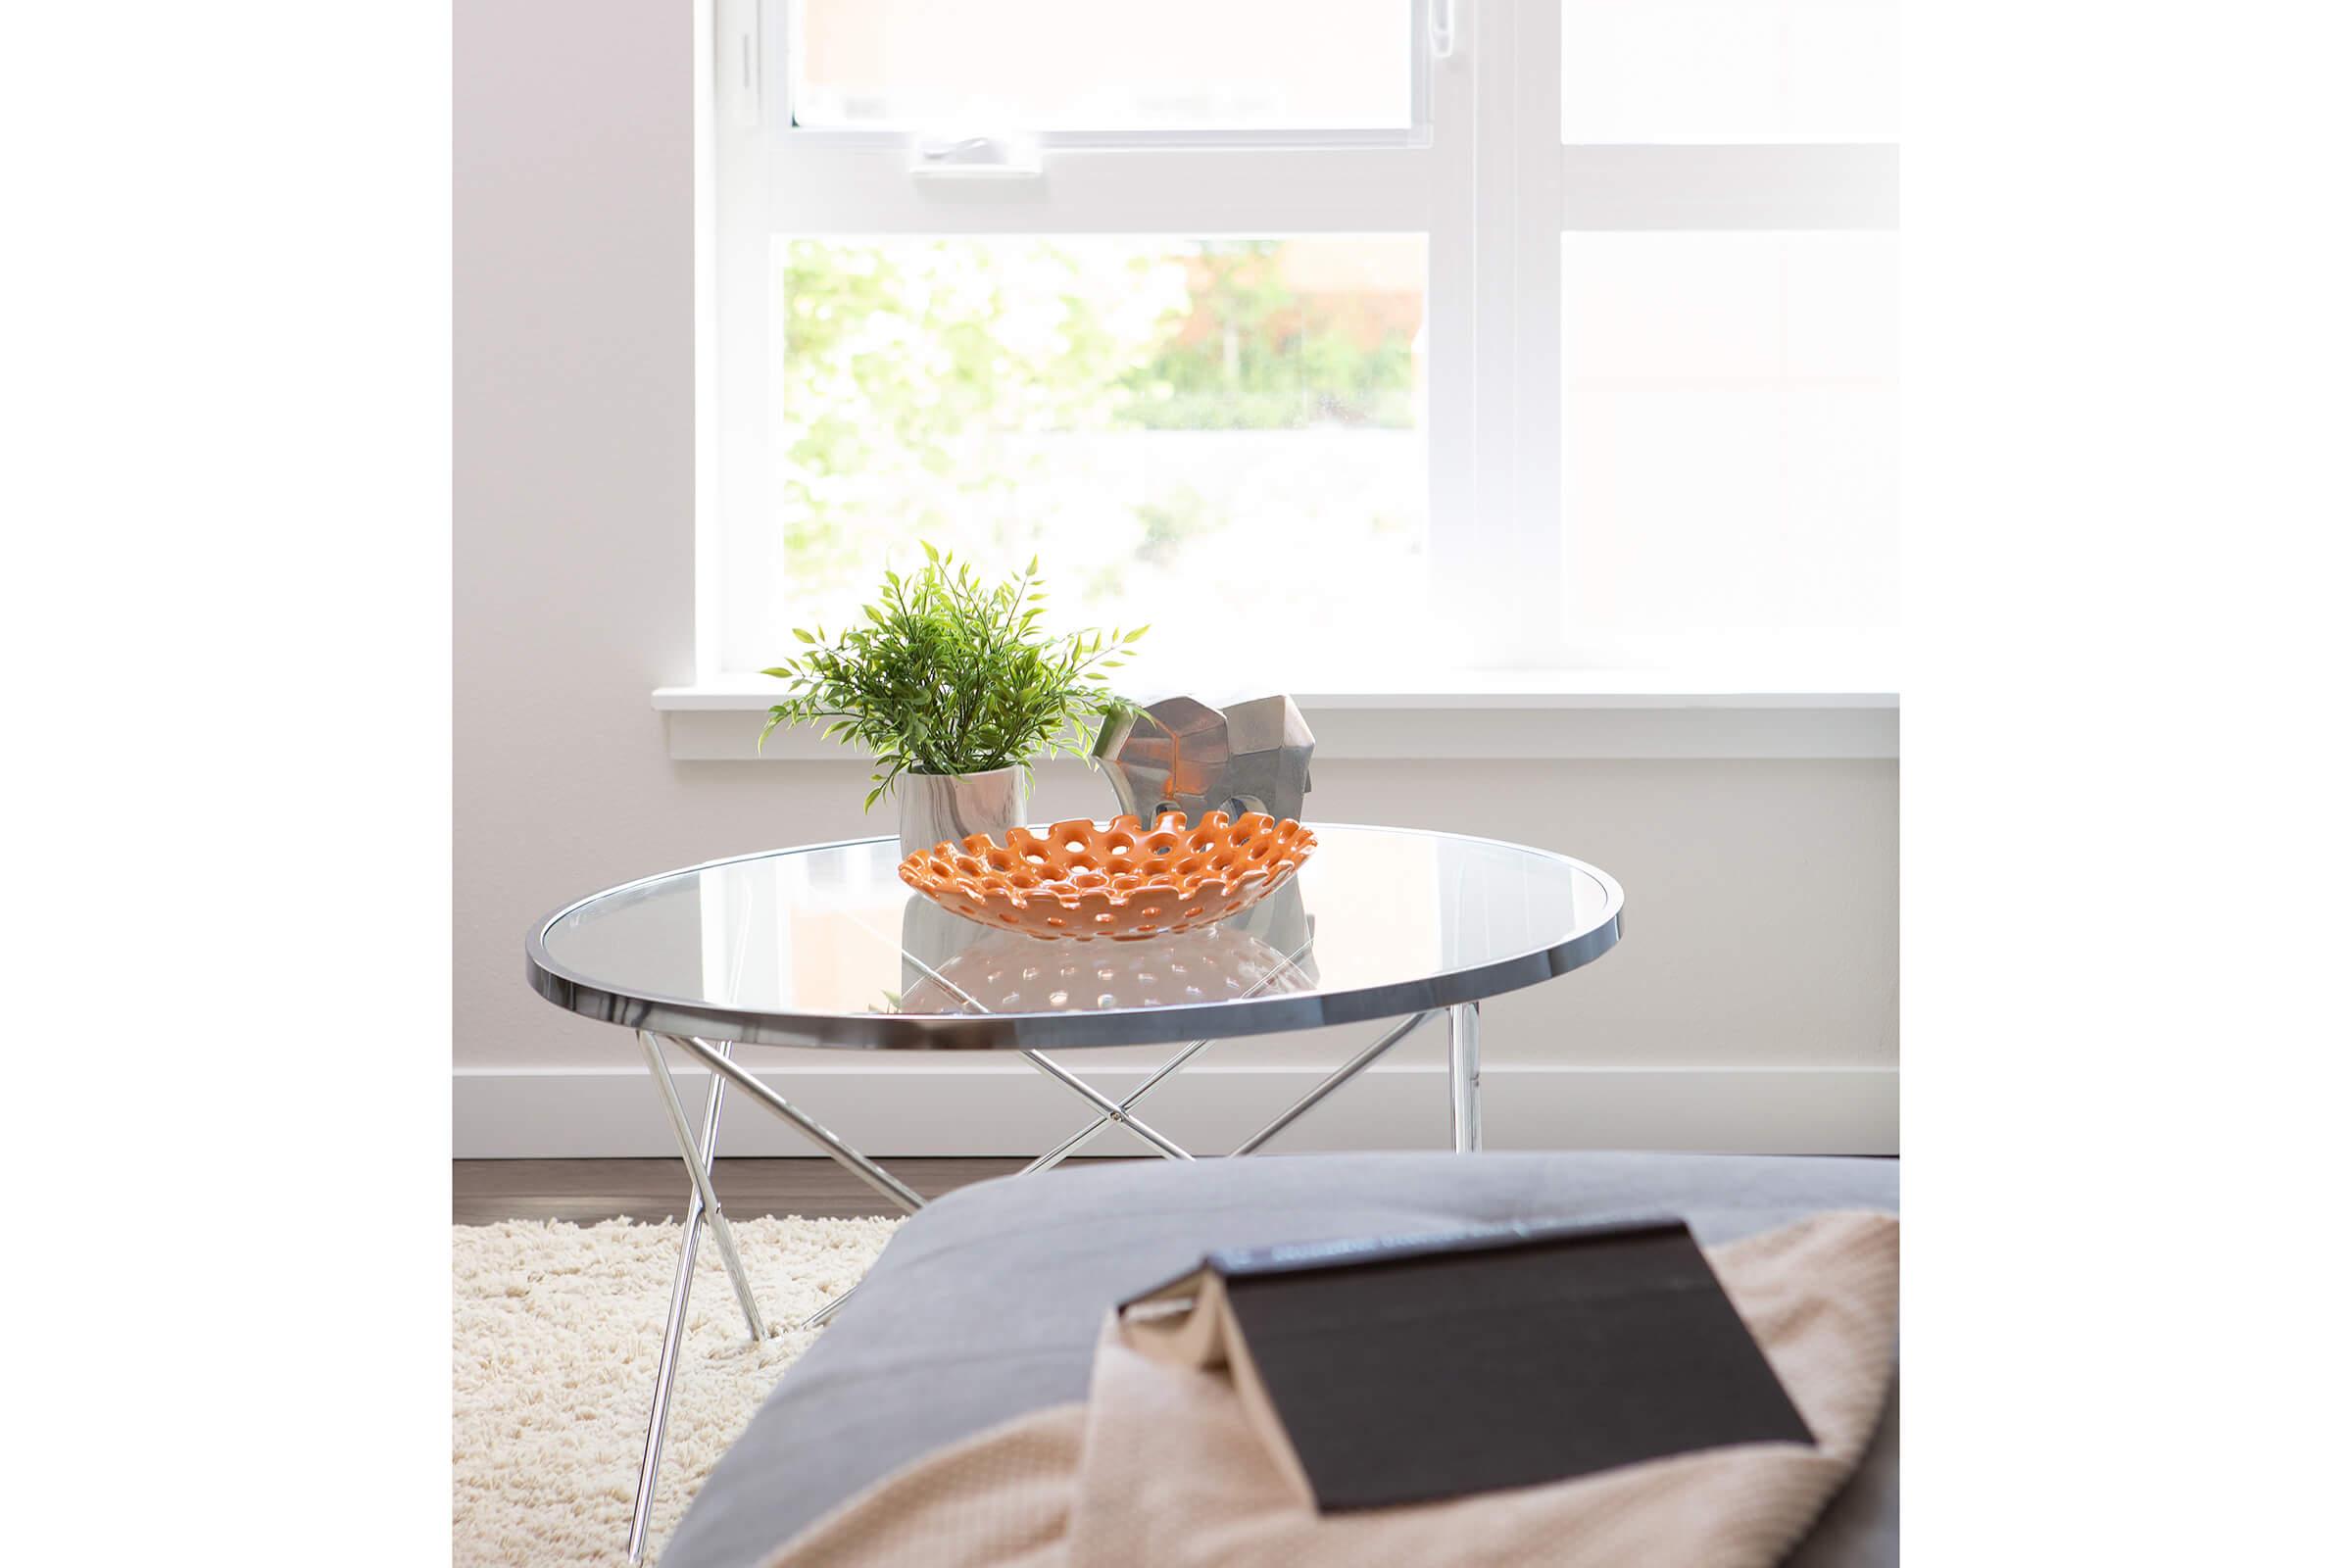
1751	1004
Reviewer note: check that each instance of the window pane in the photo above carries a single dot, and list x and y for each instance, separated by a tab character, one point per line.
1727	71
1729	441
1083	65
1222	438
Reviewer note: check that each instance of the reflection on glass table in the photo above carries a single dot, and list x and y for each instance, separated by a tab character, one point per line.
1006	971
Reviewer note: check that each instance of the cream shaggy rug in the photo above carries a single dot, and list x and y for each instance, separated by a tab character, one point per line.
558	1328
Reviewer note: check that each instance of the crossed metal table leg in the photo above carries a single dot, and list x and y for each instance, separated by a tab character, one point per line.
703	1207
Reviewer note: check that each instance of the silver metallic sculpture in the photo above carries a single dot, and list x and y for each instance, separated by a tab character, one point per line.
1184	756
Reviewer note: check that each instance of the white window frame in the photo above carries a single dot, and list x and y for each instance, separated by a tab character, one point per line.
1482	172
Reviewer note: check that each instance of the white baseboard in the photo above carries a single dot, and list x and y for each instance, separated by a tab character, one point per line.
1005	1108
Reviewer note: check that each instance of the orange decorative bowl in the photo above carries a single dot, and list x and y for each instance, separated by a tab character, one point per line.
1082	880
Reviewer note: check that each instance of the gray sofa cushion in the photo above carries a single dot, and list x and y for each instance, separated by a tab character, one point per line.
985	1307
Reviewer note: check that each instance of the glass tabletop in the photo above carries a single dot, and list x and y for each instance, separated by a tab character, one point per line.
825	945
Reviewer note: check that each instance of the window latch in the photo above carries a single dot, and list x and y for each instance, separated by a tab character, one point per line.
1441	30
986	157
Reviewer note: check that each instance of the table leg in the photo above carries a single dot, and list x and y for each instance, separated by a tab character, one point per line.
696	1167
1110	1109
673	1333
1078	1140
1339	1075
1121	1112
817	1318
864	1169
1463	1078
1070	1145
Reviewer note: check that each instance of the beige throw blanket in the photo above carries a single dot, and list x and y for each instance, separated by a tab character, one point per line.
1159	1469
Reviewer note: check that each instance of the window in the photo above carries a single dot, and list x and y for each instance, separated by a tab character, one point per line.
1083	66
1329	336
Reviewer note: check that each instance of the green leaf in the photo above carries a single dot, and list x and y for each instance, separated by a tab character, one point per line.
803	635
950	672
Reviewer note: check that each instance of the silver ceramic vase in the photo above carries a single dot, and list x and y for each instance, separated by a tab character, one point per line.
950	807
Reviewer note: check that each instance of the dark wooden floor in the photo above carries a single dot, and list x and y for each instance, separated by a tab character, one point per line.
590	1190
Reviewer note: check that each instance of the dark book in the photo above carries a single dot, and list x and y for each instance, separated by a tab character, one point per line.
1380	1373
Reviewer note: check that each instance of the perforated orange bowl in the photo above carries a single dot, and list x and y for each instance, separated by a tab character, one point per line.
1082	880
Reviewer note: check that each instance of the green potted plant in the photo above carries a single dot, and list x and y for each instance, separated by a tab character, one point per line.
956	691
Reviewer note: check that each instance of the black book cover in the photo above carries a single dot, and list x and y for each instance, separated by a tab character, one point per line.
1435	1367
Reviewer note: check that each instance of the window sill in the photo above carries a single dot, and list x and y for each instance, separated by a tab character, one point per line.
1492	715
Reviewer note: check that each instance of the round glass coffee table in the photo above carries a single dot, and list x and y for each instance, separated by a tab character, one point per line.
824	946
